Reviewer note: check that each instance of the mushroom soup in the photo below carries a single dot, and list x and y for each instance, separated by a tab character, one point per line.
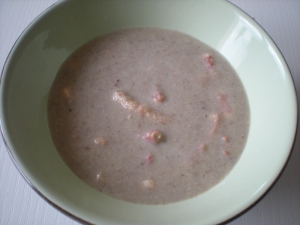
148	115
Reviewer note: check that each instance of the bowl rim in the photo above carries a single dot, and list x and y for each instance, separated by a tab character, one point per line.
57	4
8	150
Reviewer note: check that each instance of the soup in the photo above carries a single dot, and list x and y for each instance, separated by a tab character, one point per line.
148	115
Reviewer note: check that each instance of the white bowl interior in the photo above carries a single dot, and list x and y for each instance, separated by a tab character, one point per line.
37	55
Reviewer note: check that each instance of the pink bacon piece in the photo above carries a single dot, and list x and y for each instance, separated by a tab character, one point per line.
125	100
202	148
129	103
100	141
148	184
223	103
210	74
215	118
149	159
225	138
154	137
208	61
158	97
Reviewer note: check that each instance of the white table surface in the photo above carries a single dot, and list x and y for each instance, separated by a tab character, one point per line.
19	204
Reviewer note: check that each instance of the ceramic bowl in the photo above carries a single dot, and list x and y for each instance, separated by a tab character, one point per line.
44	45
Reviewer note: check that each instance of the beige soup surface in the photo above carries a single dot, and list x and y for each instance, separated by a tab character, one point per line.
148	115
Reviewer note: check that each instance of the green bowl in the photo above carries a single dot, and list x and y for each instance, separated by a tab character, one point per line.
45	44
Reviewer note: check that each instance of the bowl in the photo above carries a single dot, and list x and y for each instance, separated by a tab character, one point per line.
37	55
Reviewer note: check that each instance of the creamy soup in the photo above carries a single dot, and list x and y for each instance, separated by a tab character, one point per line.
148	115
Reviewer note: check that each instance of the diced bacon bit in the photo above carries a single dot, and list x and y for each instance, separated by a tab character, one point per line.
149	159
129	103
67	92
100	141
154	137
225	138
149	184
125	100
202	147
216	120
144	110
158	97
224	103
226	152
150	113
208	61
99	177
